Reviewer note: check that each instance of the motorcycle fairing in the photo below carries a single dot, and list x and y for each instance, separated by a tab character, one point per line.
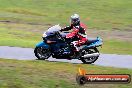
43	44
97	43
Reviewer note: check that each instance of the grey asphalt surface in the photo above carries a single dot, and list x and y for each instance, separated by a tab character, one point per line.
112	60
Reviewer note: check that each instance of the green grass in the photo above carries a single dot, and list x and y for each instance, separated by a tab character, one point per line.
9	37
43	74
22	35
98	14
116	46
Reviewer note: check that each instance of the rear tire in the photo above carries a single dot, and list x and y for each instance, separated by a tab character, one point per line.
42	53
89	60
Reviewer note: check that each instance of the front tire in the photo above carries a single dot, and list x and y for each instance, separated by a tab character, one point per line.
42	53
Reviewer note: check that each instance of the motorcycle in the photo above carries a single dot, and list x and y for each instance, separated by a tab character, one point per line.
56	44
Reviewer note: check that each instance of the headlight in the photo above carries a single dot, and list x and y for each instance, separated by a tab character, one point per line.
44	34
49	41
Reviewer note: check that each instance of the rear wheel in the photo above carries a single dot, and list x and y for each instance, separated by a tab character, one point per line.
89	60
42	53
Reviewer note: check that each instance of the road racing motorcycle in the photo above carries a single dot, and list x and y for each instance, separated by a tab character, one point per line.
56	44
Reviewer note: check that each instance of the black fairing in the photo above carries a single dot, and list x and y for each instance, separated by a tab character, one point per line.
60	48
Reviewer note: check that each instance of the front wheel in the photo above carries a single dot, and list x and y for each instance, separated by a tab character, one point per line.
89	60
42	53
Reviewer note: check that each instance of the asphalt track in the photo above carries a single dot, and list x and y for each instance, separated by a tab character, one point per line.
111	60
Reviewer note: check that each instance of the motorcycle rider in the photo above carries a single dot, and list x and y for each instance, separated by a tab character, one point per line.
78	31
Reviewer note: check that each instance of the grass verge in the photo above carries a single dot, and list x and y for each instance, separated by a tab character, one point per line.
44	74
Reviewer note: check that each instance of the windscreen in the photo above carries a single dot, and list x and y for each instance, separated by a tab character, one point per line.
54	29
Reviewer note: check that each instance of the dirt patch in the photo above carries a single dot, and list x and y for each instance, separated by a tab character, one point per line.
124	35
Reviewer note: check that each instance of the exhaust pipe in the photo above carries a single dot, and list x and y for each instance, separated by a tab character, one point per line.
91	55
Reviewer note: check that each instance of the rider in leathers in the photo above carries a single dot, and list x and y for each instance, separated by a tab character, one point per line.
78	31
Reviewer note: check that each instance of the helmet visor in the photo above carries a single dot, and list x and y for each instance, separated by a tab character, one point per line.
74	21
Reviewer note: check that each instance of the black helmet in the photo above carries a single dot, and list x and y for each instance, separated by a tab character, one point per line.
75	19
